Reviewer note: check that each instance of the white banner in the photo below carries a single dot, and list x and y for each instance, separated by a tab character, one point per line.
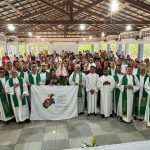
53	102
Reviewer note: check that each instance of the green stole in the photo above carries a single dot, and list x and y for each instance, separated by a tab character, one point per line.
117	91
124	94
31	79
110	73
80	81
14	97
143	100
149	101
7	73
5	100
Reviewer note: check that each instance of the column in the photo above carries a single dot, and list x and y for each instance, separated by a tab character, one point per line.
119	48
108	46
5	48
140	51
126	49
92	48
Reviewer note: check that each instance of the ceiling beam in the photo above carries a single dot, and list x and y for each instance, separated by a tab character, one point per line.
112	22
71	9
10	5
140	5
87	7
55	7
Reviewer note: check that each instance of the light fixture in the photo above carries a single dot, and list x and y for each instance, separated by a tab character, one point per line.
90	37
103	34
11	27
43	39
30	34
114	5
128	27
82	27
37	37
84	39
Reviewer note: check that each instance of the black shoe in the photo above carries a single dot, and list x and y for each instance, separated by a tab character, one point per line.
88	114
135	118
95	114
140	119
6	123
102	116
28	121
111	115
81	113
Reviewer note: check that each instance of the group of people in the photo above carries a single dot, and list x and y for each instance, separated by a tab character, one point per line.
118	85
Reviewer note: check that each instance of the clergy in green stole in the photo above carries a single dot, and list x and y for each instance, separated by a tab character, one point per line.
30	79
124	94
140	107
6	110
8	67
18	91
117	91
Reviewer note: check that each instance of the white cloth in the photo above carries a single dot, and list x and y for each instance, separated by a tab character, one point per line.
123	68
43	78
34	78
91	83
2	114
147	88
62	103
135	71
106	94
130	97
82	99
112	71
22	111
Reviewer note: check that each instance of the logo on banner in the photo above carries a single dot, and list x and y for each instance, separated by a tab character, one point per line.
49	101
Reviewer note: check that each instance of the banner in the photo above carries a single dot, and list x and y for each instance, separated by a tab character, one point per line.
53	102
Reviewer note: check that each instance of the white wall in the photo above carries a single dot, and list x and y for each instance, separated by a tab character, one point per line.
67	46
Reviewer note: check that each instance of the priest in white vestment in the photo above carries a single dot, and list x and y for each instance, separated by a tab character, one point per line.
128	85
92	90
106	85
78	78
147	88
6	112
18	91
141	96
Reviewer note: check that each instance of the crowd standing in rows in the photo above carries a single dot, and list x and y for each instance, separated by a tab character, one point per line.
118	85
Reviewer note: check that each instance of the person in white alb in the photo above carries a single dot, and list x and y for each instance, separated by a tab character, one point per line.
92	90
106	84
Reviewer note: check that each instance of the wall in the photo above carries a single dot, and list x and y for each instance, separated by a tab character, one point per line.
67	46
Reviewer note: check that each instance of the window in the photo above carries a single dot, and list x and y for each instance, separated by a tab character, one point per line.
85	46
146	53
103	46
133	50
113	47
21	49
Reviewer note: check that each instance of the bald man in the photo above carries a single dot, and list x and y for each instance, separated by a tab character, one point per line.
18	91
78	78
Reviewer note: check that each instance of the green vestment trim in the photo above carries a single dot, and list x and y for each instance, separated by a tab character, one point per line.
15	99
124	94
143	100
80	81
5	100
117	91
31	79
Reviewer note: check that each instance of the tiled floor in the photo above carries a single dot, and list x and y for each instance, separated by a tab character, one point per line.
46	135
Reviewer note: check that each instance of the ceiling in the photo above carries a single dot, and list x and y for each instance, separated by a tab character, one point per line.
62	18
